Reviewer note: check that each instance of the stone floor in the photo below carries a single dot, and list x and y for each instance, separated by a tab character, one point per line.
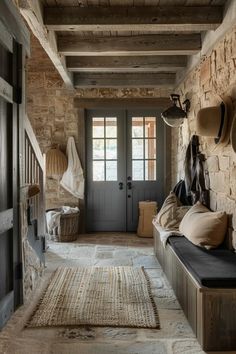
175	335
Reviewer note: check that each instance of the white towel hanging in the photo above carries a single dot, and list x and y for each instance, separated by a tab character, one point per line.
73	178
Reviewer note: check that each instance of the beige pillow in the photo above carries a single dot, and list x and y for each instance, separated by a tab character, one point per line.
203	227
171	213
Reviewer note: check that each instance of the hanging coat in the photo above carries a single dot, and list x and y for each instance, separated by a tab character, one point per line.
196	178
73	178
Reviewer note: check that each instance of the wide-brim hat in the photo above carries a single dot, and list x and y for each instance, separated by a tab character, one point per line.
215	121
233	134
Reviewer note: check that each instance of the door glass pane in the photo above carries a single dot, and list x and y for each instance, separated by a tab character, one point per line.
111	128
98	127
150	170
150	127
137	127
111	149
137	148
137	170
150	148
98	149
98	171
111	171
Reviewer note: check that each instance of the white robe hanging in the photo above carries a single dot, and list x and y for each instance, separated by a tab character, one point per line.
73	178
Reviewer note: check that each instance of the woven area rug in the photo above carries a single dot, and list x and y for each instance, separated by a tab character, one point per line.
97	296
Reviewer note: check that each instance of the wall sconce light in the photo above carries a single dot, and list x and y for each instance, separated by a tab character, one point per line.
174	115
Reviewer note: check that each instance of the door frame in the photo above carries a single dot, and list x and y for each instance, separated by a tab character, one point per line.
15	38
84	104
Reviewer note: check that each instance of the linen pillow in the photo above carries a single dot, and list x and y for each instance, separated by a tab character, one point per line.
171	213
203	227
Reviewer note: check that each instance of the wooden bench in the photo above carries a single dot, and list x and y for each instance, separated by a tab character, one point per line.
211	312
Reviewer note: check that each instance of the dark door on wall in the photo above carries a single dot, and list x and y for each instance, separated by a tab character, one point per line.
10	266
125	164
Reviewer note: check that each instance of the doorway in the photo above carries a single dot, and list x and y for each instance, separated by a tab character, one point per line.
125	164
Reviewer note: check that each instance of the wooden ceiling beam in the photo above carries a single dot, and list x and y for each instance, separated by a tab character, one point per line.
86	80
127	64
124	18
159	103
31	10
158	44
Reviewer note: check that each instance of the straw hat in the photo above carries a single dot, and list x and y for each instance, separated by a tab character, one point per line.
215	121
33	189
233	134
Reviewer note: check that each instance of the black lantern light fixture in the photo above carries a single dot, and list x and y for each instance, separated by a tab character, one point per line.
174	116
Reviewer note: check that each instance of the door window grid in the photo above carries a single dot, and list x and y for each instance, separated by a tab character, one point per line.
104	143
144	148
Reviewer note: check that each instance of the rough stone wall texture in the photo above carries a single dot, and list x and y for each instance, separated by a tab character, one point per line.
52	114
214	76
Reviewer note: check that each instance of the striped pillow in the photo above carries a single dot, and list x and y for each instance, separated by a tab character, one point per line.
171	213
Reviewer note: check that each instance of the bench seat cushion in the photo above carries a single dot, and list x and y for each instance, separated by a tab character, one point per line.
211	268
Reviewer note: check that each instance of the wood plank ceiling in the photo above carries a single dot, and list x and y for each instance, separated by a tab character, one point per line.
121	43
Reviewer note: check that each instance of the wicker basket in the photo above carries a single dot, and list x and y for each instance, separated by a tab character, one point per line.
69	227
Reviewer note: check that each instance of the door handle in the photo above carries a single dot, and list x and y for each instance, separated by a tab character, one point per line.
129	185
121	185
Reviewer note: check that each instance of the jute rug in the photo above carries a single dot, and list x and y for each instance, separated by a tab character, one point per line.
97	296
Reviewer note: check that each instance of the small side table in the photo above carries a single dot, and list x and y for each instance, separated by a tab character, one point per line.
147	211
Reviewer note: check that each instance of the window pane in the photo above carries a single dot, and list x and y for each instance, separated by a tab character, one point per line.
98	127
98	170
98	149
111	171
137	170
150	170
137	127
111	149
150	127
137	148
150	148
111	128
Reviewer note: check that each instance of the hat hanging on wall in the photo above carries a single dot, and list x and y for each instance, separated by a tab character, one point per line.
233	134
215	121
33	190
56	162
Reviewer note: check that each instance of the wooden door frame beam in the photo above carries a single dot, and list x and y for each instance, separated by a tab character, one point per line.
146	102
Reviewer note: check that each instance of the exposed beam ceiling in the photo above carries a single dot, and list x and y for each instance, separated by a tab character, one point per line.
124	80
32	13
120	46
159	44
149	18
150	63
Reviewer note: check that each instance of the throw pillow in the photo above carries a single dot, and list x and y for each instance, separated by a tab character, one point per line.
171	213
203	227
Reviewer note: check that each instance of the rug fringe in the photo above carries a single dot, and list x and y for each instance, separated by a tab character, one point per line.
157	319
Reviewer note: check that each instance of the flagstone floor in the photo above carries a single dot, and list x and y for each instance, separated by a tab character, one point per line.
104	249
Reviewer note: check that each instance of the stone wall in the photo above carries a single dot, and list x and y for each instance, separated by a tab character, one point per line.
214	76
50	108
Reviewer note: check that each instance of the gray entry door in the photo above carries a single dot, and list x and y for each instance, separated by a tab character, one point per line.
122	166
145	161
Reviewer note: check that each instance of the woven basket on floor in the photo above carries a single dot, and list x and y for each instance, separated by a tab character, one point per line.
69	227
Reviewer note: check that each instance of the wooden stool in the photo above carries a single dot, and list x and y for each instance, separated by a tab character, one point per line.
147	211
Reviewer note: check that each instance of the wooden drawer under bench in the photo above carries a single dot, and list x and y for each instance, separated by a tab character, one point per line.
211	312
